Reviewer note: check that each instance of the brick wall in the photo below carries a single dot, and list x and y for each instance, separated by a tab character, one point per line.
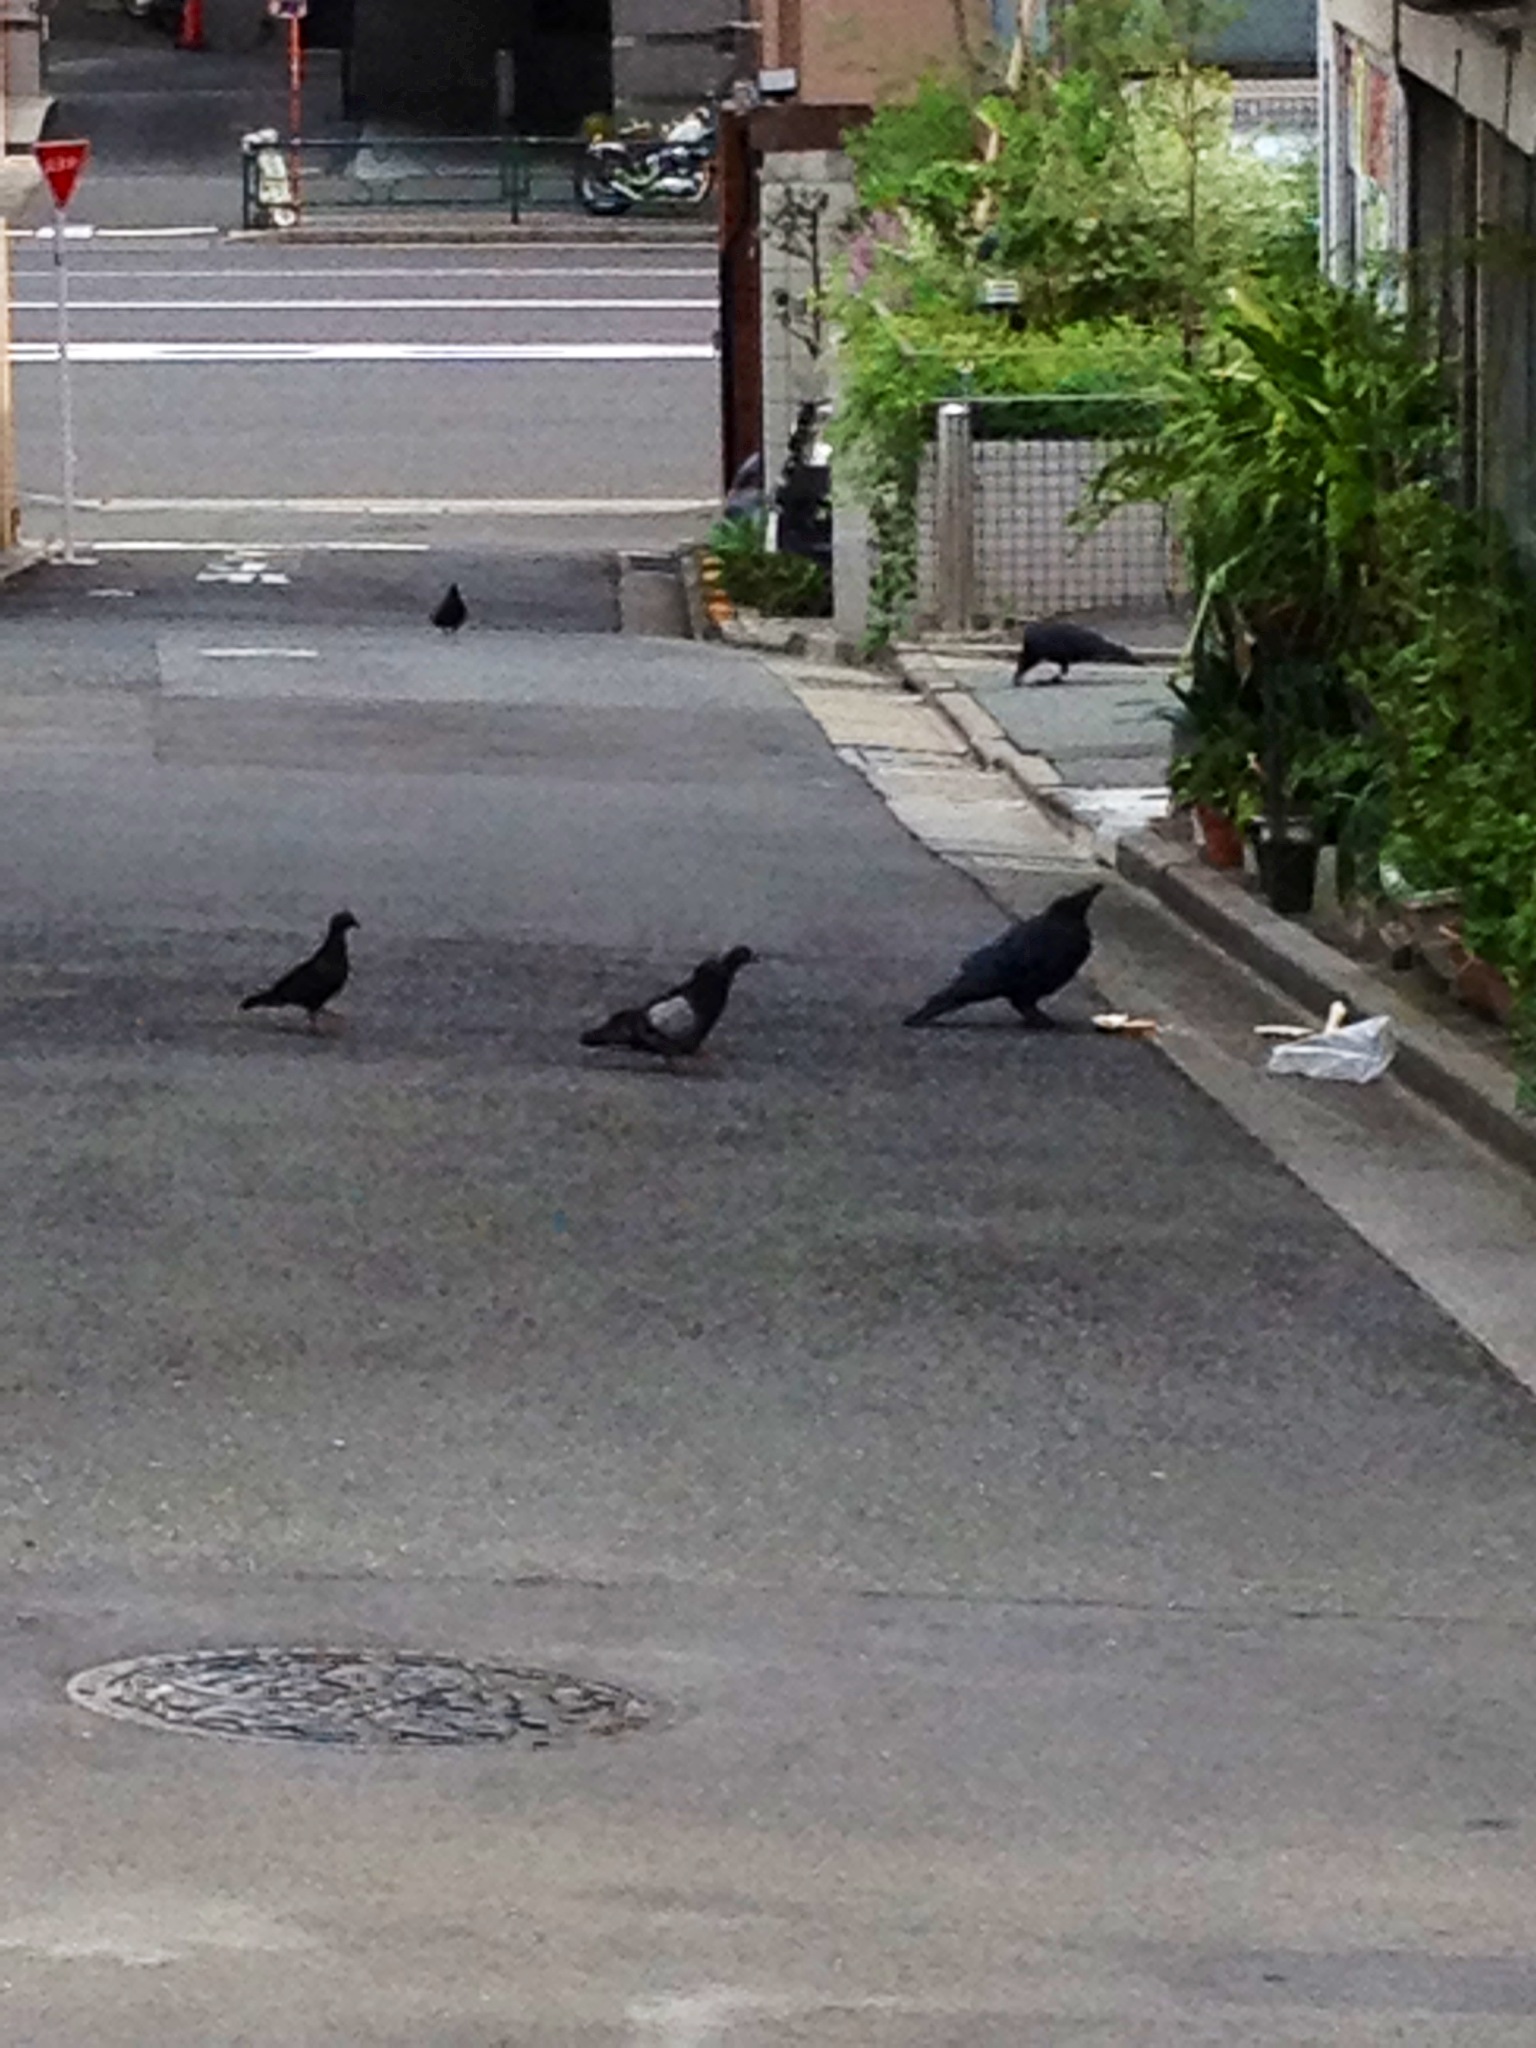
871	50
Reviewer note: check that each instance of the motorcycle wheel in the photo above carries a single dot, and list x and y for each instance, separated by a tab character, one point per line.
598	194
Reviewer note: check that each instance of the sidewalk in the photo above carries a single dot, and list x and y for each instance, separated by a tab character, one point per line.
1092	755
481	225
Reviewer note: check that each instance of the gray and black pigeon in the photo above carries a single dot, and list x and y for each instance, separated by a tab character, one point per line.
680	1019
1058	640
1031	961
312	984
450	611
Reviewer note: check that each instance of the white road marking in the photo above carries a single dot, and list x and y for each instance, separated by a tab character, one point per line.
445	305
167	273
83	231
241	567
227	352
695	2019
298	547
259	653
404	508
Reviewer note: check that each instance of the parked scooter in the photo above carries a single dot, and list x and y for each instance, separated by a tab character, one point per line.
676	167
270	199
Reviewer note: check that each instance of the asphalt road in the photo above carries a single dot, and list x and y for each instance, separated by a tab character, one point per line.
549	396
1088	1591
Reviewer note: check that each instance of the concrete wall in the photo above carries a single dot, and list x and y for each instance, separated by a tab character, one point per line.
1491	76
670	54
805	203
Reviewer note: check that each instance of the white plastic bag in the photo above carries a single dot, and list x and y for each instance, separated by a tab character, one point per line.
1355	1052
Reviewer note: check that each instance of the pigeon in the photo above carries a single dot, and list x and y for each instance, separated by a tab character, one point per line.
1031	960
450	611
1060	641
679	1020
311	985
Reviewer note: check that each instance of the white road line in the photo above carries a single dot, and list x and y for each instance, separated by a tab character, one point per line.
227	352
456	305
83	231
280	547
234	274
259	653
398	508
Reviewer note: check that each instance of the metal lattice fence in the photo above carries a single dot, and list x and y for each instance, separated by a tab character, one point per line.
999	536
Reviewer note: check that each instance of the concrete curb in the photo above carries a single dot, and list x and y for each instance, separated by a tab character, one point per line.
689	574
1466	1085
484	233
1035	776
17	561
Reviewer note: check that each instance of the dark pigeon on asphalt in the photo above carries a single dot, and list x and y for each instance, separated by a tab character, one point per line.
1031	961
313	983
451	611
680	1019
1058	640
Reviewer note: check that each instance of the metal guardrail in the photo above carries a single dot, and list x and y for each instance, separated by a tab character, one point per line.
506	174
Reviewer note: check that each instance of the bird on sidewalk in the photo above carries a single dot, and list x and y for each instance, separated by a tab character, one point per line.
313	983
680	1019
450	611
1058	640
1032	960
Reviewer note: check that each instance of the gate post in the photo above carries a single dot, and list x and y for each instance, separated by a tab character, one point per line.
954	524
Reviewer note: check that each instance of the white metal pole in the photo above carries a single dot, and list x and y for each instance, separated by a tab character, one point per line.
66	389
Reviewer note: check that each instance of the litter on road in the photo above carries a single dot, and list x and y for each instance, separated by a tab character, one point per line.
1361	1051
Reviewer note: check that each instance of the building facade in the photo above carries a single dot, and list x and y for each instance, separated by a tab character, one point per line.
540	67
860	52
1430	154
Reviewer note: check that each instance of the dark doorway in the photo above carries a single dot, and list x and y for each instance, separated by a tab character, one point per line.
445	67
563	58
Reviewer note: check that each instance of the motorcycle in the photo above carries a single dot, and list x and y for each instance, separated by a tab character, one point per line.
677	166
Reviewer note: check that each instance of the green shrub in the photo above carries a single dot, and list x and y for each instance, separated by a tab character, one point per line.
752	574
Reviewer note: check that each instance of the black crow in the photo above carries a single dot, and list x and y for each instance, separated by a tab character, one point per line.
1060	641
312	984
1029	962
450	611
680	1019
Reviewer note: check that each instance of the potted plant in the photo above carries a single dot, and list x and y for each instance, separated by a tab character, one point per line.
1214	771
1216	780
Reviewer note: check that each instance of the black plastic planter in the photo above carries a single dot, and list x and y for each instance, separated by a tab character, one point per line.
1287	868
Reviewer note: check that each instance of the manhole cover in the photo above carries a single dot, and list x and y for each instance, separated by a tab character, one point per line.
357	1697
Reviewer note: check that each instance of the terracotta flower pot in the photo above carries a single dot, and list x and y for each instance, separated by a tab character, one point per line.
1480	985
1221	843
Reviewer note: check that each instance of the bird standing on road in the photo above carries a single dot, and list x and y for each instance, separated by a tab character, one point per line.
313	983
1060	641
680	1019
1031	961
450	611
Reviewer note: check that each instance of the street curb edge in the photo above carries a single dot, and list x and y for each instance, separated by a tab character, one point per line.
1463	1084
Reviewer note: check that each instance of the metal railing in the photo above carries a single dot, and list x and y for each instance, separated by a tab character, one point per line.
512	175
508	174
999	536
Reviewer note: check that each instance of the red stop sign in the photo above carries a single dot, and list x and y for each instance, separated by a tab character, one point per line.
61	164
